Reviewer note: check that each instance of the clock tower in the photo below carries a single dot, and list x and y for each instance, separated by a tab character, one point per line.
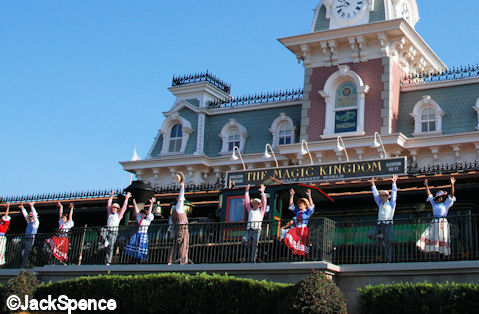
354	57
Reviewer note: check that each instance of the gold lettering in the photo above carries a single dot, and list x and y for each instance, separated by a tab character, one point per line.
347	168
337	169
263	174
366	167
286	174
321	171
309	171
277	174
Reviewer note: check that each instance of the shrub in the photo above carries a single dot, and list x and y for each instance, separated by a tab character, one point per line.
24	283
420	298
175	293
318	294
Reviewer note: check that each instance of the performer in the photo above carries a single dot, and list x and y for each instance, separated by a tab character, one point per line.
179	227
297	237
387	205
32	227
256	209
109	233
58	245
4	223
436	237
138	246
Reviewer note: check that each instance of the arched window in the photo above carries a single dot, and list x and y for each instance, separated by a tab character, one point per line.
232	134
344	93
427	117
233	139
284	133
175	138
175	132
428	120
282	130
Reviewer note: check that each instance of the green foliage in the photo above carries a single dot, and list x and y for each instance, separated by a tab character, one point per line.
420	298
176	293
318	294
24	283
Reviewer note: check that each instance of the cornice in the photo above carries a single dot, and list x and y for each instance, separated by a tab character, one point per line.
441	84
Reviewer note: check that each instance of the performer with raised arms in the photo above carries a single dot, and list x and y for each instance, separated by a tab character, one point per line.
32	227
179	220
4	223
436	237
256	209
58	245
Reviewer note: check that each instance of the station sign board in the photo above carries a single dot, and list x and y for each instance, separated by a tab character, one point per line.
349	170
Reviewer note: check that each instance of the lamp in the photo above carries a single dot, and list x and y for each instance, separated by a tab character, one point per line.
268	155
343	147
305	149
234	157
377	143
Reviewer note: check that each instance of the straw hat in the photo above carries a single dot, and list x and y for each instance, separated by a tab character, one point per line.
305	200
385	192
180	177
256	200
439	194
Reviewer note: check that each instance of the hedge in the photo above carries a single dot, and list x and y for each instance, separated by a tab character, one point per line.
420	298
176	293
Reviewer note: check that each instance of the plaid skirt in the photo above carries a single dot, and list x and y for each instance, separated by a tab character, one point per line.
435	238
297	239
58	247
138	246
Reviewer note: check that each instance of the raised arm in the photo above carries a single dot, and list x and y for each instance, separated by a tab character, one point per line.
426	184
60	210
394	191
180	204
453	190
264	201
70	217
124	207
135	206
24	212
6	210
247	201
34	212
291	197
110	201
376	197
150	208
310	199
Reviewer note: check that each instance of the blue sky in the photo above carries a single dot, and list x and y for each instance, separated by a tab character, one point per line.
82	82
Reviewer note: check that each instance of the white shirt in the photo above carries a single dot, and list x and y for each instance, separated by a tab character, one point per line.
144	223
439	210
255	218
113	220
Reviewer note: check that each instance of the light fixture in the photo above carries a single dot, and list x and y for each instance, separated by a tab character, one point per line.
377	143
305	150
268	155
341	146
234	157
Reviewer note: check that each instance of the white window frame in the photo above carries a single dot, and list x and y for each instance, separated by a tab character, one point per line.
419	107
344	74
165	131
225	133
176	139
283	119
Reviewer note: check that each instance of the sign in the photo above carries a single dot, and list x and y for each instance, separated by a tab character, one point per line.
319	173
345	121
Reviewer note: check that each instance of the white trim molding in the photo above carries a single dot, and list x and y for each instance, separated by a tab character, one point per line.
476	107
344	74
424	103
275	128
165	131
225	131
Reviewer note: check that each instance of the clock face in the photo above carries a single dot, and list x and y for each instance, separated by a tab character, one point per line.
347	9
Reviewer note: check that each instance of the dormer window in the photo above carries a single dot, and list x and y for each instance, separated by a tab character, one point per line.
427	116
175	138
282	130
428	120
232	134
233	139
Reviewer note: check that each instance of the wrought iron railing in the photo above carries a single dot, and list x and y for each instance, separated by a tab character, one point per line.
456	73
262	98
201	77
349	242
208	243
457	167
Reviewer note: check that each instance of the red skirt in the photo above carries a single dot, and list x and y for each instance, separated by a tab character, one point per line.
297	239
58	247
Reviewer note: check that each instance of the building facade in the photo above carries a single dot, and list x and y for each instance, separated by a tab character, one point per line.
366	71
